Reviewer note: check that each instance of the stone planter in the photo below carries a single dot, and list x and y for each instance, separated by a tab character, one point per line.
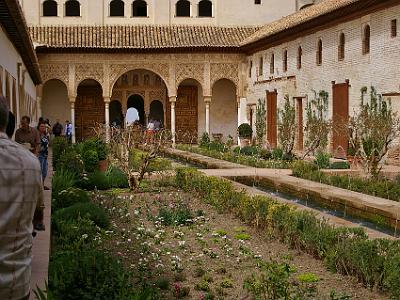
103	165
244	142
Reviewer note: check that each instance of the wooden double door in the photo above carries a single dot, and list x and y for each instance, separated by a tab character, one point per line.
340	116
89	110
272	130
186	114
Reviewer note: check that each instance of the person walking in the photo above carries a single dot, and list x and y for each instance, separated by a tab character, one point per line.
21	194
57	128
43	151
68	131
28	136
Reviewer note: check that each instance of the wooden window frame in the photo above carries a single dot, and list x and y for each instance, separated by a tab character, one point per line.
261	66
319	52
272	64
366	40
341	46
285	60
393	28
299	57
250	67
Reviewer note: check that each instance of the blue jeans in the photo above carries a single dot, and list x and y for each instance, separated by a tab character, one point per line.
43	166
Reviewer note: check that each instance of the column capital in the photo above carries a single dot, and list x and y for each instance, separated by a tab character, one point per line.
172	98
72	99
207	99
106	99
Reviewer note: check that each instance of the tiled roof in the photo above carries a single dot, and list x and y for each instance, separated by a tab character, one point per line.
311	13
13	22
139	37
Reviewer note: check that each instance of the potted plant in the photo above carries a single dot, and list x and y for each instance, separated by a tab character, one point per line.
245	133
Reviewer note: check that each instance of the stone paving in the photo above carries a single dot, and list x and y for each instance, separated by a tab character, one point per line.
41	243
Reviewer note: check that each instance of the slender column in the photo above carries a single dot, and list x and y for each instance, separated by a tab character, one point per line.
172	100
238	117
207	101
107	117
72	103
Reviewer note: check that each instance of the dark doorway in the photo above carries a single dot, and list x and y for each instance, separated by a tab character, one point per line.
72	8
340	115
139	8
116	117
157	111
271	118
183	8
137	102
300	133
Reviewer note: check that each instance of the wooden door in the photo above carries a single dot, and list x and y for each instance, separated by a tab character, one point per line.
186	114
340	115
89	110
272	133
300	127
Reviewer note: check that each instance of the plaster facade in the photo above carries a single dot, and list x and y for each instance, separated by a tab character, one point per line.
15	82
224	13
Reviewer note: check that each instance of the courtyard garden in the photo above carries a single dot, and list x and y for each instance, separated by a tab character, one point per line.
178	234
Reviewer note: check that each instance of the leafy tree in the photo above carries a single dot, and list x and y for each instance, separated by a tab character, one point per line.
372	130
260	121
287	127
317	126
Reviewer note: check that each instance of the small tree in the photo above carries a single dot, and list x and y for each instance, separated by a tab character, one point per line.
122	147
372	130
287	127
260	121
317	125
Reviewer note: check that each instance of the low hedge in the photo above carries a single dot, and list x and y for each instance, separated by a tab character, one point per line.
253	161
380	188
347	250
88	210
68	197
88	275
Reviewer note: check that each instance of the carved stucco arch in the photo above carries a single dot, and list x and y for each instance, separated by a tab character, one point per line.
194	79
94	71
160	69
229	71
55	72
190	71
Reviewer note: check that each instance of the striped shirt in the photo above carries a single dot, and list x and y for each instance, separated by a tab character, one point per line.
20	193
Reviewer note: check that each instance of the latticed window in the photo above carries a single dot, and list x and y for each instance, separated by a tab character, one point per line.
250	68
393	28
117	8
341	46
183	8
72	8
299	57
319	52
50	8
285	60
139	8
257	1
272	64
366	39
205	8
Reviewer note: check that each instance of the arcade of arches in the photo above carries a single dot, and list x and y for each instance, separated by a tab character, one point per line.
188	93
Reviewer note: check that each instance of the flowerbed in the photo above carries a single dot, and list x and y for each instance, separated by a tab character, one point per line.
236	157
380	188
376	263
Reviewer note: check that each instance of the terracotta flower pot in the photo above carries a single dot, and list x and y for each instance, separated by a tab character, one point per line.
103	165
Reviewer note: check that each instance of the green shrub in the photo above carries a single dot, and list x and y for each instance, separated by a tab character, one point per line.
217	146
68	197
179	215
71	160
59	147
322	160
90	160
88	210
339	165
96	180
277	153
62	179
204	140
88	275
245	131
117	178
97	145
73	234
249	150
159	164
